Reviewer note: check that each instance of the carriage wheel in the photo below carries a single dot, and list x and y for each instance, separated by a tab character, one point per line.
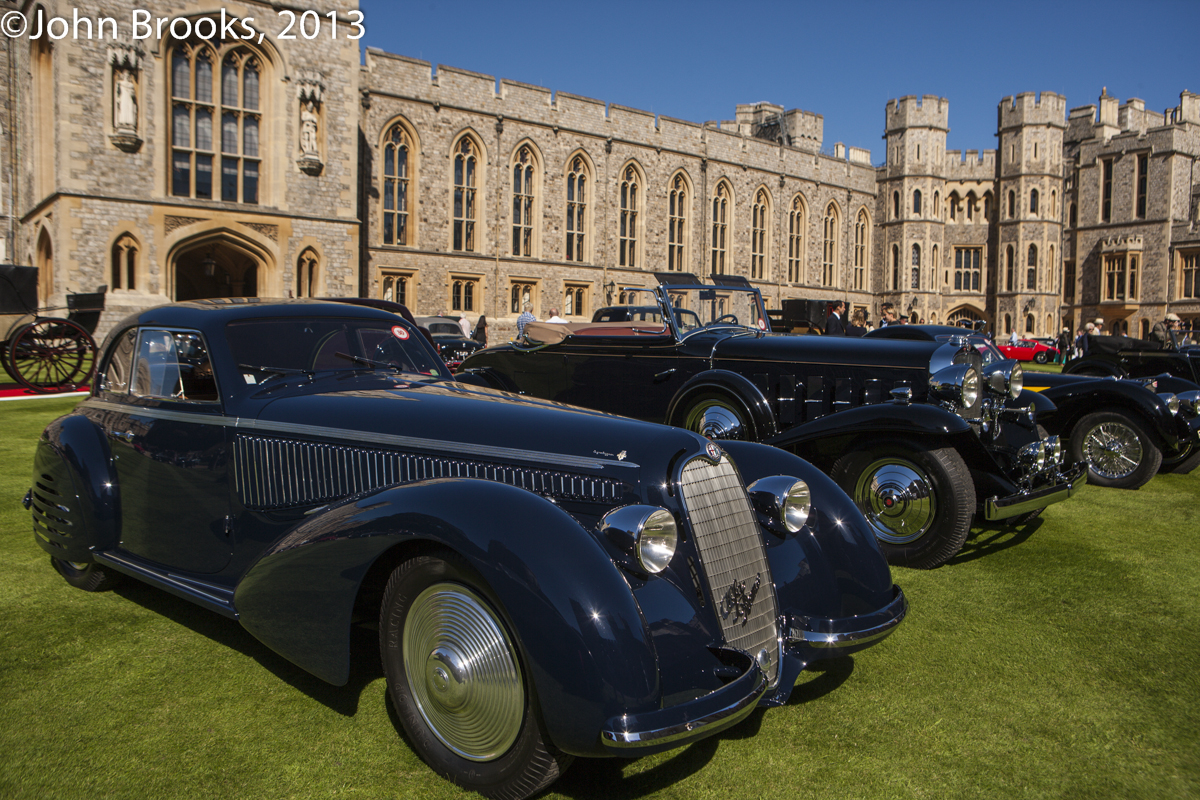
51	355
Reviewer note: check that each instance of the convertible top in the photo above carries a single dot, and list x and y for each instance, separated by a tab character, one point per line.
1111	345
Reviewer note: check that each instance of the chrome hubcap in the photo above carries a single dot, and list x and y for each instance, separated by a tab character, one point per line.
1112	450
463	671
716	421
897	499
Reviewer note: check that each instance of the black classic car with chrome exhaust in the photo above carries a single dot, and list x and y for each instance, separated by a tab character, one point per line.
922	435
547	582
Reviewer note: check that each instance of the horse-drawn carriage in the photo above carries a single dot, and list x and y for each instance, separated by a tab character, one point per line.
46	353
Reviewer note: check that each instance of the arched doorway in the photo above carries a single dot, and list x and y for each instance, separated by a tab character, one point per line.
216	268
45	265
964	317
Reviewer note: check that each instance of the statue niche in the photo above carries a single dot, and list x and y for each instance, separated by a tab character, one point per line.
309	94
125	62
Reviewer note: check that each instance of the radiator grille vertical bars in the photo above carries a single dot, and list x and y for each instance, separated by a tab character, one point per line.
730	543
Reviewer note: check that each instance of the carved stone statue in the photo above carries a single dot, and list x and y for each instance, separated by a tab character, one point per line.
308	130
125	102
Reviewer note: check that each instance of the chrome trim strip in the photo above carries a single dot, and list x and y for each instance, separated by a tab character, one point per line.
1005	507
854	638
394	440
218	598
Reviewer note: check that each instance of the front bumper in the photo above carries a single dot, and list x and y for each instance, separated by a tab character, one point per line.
997	508
848	634
635	735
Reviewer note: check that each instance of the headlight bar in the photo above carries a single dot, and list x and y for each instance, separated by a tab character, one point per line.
647	534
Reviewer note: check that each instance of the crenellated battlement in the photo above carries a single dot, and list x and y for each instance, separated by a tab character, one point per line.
1030	108
974	165
928	111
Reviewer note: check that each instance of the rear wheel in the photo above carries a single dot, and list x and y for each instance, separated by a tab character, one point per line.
1041	357
918	500
717	417
455	675
1118	451
51	355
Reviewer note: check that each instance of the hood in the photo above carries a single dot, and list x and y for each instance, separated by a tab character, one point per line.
842	350
469	422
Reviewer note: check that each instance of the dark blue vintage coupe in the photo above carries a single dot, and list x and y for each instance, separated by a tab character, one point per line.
547	582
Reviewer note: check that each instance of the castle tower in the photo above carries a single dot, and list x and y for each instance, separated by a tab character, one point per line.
1030	213
912	192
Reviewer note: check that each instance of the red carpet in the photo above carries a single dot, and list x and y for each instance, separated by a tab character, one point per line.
12	391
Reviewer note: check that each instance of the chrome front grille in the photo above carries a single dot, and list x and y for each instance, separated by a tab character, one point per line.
273	473
730	544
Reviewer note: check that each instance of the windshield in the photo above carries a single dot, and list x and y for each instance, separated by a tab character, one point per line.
986	347
266	348
699	307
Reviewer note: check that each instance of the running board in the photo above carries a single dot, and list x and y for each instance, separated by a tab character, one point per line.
211	596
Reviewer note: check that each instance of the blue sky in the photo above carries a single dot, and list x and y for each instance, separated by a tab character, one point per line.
844	60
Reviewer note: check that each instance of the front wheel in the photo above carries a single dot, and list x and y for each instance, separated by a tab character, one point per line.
919	500
1041	357
455	676
1118	451
89	576
1182	462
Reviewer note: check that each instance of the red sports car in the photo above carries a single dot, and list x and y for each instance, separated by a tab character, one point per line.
1028	350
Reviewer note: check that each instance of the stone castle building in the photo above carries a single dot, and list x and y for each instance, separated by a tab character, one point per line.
181	165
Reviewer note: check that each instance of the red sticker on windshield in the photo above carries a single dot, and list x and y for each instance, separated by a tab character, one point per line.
399	332
762	325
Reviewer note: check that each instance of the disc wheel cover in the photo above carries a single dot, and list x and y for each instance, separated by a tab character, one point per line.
463	672
715	419
1112	450
897	498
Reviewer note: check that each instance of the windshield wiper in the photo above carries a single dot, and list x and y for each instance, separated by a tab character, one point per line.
278	372
366	362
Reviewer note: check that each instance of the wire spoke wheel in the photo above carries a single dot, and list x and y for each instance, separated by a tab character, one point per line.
1113	450
51	355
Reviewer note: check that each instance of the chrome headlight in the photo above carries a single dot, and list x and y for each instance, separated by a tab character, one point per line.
1054	449
1189	403
1005	378
646	533
1171	400
784	502
1034	455
1016	382
958	384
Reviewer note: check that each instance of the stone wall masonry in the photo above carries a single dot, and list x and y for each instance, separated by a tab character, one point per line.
1028	108
911	112
974	165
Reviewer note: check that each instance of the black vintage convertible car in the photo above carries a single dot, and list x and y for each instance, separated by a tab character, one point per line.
1125	357
448	337
547	582
920	434
1126	431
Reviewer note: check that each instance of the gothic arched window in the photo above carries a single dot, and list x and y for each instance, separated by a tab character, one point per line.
720	227
466	163
630	202
524	189
1031	272
759	214
862	230
916	266
124	263
796	222
677	213
396	151
577	199
829	254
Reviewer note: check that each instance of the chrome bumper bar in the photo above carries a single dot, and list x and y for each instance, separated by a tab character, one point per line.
665	728
996	508
851	632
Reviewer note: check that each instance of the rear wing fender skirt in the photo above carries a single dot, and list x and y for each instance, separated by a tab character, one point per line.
576	622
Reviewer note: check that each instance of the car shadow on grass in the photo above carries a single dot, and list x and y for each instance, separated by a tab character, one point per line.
364	652
989	538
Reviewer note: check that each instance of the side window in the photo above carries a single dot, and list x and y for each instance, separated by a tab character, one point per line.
173	365
116	374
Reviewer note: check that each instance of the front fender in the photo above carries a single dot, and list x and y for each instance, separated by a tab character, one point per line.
76	497
1074	400
730	383
822	437
570	609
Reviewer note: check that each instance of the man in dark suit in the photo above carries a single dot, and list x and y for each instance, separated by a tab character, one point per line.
834	326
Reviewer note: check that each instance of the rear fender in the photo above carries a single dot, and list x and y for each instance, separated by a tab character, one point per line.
735	386
76	498
1096	365
487	377
571	610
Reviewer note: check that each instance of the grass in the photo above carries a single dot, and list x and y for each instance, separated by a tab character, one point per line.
1061	660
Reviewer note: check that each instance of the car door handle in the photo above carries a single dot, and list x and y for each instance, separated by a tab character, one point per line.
126	435
662	376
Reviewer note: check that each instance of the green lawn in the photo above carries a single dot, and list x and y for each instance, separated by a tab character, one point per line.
1057	661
